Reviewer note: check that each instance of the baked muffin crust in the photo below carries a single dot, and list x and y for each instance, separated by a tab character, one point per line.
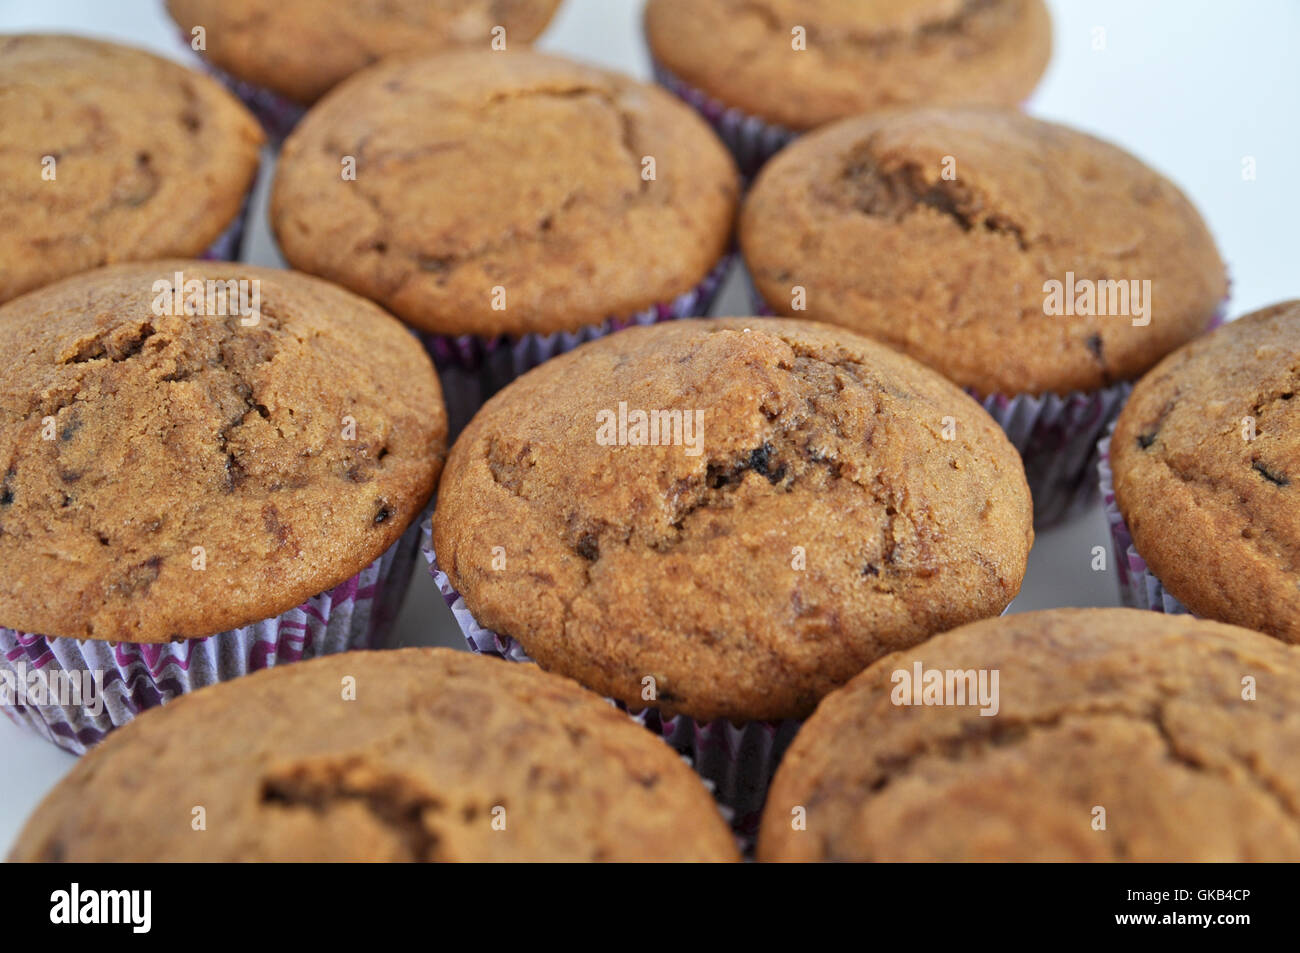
1206	457
129	437
504	193
1141	714
440	756
937	231
301	48
858	57
149	159
824	521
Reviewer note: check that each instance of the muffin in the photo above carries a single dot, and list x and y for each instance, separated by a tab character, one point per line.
1112	735
110	154
204	469
1039	268
1205	460
509	206
280	56
811	501
762	73
408	755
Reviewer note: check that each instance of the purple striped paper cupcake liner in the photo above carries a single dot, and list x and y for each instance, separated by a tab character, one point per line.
750	140
1138	586
1056	436
736	761
38	674
472	369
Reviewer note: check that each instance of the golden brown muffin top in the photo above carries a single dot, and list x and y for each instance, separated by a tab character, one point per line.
857	56
504	193
111	154
939	230
1139	715
813	518
132	433
301	48
438	756
1206	457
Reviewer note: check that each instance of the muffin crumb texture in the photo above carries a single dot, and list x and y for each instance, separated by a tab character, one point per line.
1206	457
439	756
937	231
111	154
505	193
167	475
1120	735
823	519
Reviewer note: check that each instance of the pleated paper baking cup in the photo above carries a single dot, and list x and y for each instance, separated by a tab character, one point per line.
473	368
1057	436
736	761
750	140
1138	586
73	692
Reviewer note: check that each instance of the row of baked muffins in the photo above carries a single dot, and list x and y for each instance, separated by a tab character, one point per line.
760	73
871	223
798	396
844	503
1111	735
544	203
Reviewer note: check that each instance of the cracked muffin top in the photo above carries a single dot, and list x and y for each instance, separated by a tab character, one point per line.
111	154
1118	735
857	57
1185	733
940	231
402	755
1206	457
301	48
803	513
504	193
293	440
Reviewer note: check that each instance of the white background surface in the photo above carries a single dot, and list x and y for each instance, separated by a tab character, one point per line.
1190	86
